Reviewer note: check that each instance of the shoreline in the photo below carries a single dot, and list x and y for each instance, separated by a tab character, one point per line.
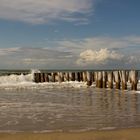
116	134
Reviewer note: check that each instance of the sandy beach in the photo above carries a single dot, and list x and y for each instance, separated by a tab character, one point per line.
122	134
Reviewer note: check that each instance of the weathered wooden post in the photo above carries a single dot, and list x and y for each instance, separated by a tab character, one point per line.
123	79
36	78
71	76
93	77
81	76
104	73
134	79
84	76
117	79
96	78
66	76
89	78
46	77
99	79
110	79
42	77
60	77
77	76
53	77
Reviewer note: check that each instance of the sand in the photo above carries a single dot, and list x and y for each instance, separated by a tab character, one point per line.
122	134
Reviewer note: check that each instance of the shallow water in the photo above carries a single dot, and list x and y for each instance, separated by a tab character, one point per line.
67	109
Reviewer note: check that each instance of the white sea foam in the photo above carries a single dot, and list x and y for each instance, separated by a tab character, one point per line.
27	81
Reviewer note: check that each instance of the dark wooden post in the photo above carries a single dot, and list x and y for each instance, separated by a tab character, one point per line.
36	78
71	76
81	76
93	77
134	79
77	76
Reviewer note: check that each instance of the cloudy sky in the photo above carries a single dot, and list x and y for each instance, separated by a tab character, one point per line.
69	34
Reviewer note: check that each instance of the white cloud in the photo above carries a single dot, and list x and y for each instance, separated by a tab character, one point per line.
133	39
7	51
103	56
97	43
94	52
44	11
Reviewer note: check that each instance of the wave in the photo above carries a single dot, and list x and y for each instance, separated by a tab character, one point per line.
27	81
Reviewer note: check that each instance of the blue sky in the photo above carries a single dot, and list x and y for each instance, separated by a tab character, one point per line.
64	34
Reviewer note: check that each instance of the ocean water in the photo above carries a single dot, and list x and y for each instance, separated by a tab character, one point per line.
69	106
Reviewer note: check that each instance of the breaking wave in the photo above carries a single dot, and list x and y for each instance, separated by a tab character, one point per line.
27	81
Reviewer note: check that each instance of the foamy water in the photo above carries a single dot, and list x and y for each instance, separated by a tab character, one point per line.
68	106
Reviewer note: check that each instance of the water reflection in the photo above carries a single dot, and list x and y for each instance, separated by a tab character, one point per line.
68	109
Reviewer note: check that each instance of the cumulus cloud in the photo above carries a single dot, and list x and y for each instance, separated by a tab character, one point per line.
94	53
44	11
103	56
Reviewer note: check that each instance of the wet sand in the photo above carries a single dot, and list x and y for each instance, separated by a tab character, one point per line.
122	134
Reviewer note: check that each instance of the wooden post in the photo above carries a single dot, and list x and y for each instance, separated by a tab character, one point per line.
134	79
117	79
71	76
96	78
81	76
60	77
77	76
53	77
66	76
104	79
46	77
93	77
36	78
123	79
84	76
100	79
89	78
42	77
110	79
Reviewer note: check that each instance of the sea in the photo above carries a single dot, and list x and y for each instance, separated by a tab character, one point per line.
26	106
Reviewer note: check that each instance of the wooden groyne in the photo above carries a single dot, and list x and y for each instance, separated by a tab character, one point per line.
117	79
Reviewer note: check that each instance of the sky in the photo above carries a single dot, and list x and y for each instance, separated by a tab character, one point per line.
69	34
